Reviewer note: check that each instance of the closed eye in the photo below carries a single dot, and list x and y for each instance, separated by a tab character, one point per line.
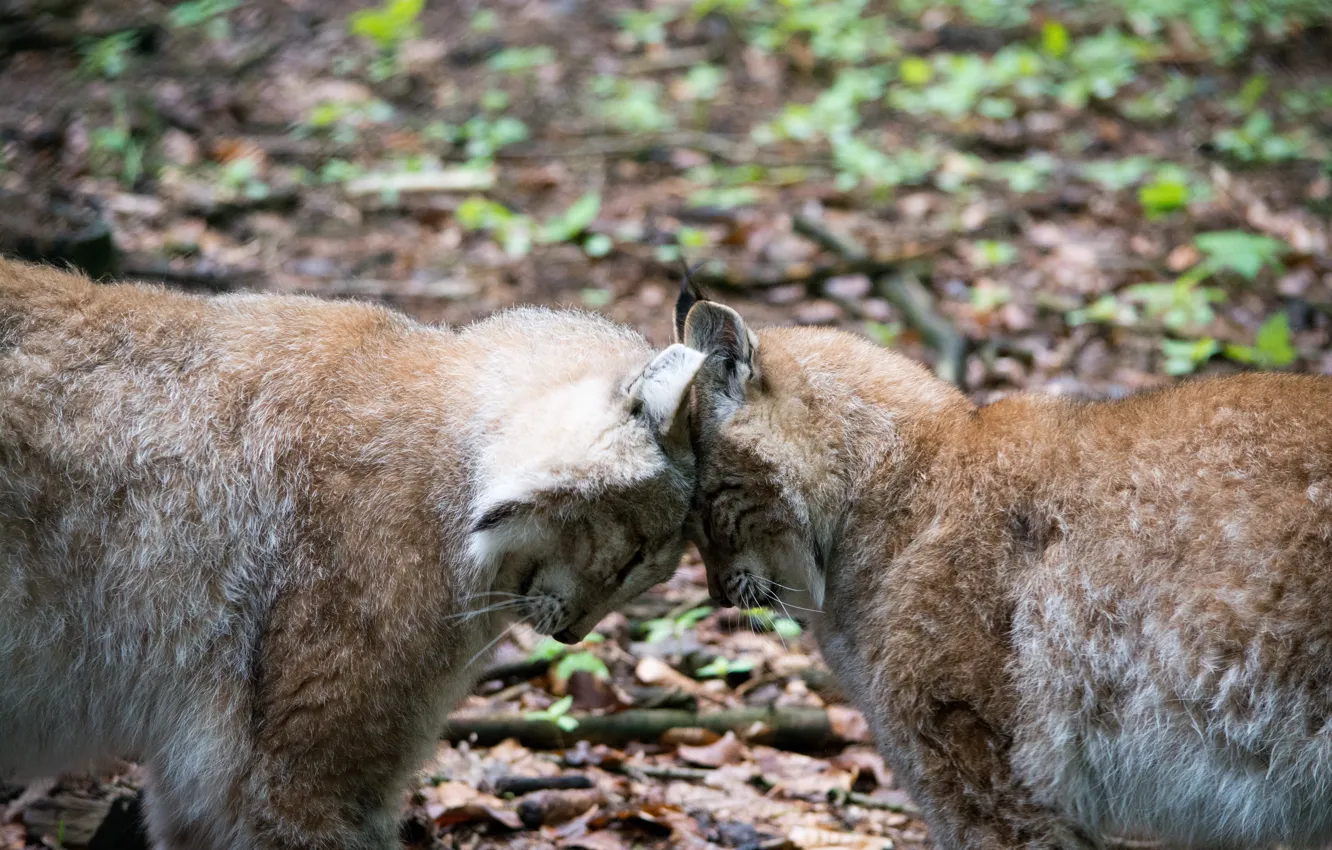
623	575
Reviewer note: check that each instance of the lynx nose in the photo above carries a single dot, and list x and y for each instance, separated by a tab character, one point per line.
567	636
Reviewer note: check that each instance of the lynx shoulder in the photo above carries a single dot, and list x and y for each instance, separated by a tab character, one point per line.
1065	621
255	541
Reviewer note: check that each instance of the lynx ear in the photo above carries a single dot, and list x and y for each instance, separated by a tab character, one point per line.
690	294
731	347
660	394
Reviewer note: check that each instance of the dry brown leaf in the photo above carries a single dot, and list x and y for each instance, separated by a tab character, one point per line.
1182	257
864	761
810	838
654	671
689	736
452	803
602	839
726	750
553	807
848	724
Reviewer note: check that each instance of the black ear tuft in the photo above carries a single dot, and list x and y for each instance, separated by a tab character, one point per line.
495	515
690	294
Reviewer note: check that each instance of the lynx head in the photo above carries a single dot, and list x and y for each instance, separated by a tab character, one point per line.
591	476
766	454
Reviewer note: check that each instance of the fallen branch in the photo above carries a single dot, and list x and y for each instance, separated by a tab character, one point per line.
905	291
198	279
515	671
797	729
855	798
519	785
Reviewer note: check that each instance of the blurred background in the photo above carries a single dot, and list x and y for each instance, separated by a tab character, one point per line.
1071	196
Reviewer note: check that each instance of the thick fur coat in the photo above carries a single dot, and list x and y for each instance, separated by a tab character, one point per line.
256	541
1064	621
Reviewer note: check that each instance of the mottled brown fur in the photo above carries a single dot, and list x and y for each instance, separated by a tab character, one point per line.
1063	620
236	535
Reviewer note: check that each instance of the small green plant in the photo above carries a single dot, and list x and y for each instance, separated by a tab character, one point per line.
483	135
667	627
1163	196
387	27
1183	305
646	27
884	333
991	253
241	176
768	620
520	60
557	713
512	230
1109	309
1272	347
209	14
114	148
567	226
720	668
1117	174
108	57
1183	357
1246	254
342	121
630	105
548	650
584	662
1258	141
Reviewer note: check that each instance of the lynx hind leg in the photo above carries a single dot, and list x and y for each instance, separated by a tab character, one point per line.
963	783
193	799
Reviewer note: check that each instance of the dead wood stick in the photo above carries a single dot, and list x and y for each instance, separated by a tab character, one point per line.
797	729
515	671
904	291
855	798
519	785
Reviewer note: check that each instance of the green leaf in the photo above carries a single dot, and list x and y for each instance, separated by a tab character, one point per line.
714	669
884	334
1243	253
915	71
690	618
389	24
572	221
560	707
596	298
1054	39
567	723
584	661
548	650
1185	356
786	627
597	245
1163	196
1272	347
1273	341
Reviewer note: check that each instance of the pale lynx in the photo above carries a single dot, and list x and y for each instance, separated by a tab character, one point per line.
255	541
1064	621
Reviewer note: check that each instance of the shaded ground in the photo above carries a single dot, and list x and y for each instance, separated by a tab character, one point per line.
1057	197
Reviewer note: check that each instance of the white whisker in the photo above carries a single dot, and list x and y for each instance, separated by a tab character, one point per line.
498	606
497	639
778	584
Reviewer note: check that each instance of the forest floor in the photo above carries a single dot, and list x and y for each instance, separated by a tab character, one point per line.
1093	202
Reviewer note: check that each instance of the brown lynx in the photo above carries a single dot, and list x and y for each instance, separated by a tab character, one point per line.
1064	621
256	541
